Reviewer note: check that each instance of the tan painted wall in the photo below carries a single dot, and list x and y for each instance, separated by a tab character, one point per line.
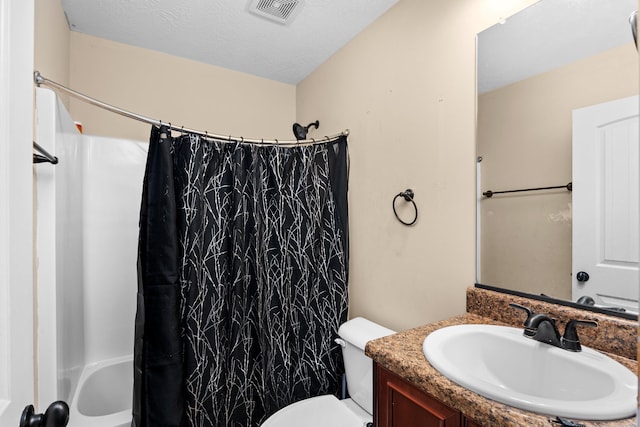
524	137
172	89
405	87
51	53
161	86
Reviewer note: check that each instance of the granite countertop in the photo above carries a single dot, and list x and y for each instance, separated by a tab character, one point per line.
402	354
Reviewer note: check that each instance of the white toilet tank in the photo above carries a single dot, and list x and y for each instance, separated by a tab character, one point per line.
359	368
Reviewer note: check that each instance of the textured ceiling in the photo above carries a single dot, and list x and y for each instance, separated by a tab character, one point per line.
549	34
225	34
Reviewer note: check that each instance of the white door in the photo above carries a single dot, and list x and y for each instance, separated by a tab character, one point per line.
16	209
605	203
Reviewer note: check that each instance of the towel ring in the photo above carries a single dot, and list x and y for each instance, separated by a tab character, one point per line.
407	195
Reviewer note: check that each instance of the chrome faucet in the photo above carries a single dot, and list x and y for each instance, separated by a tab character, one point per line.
542	328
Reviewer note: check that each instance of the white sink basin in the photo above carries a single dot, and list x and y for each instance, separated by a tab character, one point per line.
499	363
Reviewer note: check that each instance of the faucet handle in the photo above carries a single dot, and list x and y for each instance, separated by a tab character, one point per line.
527	323
570	340
522	307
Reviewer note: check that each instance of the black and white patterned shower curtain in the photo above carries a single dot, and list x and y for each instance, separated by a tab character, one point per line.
243	256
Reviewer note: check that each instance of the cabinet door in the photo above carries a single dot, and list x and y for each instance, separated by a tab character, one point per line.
399	404
466	422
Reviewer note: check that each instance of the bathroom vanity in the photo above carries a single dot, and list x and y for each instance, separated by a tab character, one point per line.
410	392
401	404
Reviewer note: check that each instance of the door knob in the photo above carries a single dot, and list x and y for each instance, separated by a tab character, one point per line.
56	415
582	276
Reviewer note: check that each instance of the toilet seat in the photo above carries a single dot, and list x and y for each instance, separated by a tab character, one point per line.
321	411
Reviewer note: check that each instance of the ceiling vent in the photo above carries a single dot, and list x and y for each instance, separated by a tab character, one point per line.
280	11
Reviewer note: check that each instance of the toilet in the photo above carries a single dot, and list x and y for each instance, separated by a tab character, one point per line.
327	410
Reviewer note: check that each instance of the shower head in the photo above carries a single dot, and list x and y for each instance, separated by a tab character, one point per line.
300	131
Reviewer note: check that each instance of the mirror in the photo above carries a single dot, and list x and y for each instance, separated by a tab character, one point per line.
533	71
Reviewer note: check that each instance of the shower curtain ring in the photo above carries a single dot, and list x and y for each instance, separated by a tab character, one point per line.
163	130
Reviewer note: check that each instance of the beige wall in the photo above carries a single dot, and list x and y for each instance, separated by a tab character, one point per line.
168	88
524	138
161	86
405	87
51	53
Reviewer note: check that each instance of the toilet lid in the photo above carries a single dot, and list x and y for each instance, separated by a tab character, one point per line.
321	411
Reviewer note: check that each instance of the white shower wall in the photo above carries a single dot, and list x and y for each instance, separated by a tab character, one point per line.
87	228
111	206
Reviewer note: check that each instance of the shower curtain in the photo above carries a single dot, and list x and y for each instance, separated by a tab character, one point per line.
243	257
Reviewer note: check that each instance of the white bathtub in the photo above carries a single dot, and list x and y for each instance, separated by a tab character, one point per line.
104	394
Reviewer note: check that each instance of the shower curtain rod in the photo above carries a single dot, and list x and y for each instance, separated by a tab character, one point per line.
39	79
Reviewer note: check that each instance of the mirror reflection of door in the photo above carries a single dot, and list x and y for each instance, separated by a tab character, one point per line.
605	200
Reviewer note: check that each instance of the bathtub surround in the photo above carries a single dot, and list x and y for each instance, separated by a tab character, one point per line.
243	279
60	292
87	218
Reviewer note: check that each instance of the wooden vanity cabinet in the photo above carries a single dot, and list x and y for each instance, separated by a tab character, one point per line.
466	422
399	404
